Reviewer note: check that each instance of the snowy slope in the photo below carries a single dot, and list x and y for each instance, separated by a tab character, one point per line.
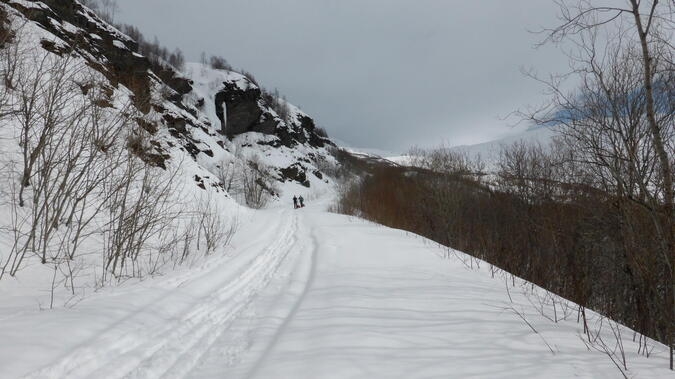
489	150
309	294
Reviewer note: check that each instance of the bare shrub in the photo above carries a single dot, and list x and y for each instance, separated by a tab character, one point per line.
346	167
140	208
328	166
161	58
547	219
67	143
257	183
248	180
621	122
10	56
445	160
201	230
212	227
80	172
176	59
278	103
218	63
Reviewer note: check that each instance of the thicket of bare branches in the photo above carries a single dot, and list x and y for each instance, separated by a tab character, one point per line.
216	62
67	142
75	182
446	160
139	210
248	180
8	58
278	103
321	132
621	121
159	56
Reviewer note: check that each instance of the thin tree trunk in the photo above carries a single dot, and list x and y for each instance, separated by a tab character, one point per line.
664	163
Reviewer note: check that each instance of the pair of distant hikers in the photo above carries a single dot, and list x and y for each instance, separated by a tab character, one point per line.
298	202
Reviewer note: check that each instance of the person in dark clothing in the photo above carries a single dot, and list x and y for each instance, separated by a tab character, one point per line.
302	202
295	202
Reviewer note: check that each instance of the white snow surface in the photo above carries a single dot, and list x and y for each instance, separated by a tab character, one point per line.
310	294
297	294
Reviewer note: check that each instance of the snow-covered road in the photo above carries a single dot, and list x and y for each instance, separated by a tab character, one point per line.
309	294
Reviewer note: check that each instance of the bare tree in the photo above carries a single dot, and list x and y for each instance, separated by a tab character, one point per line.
211	225
70	140
247	179
622	116
140	207
257	183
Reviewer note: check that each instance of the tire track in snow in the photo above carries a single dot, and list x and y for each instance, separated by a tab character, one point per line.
174	348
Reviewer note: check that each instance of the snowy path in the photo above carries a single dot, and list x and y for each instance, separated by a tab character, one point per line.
307	294
159	330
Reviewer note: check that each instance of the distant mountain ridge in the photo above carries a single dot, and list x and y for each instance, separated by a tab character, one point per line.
489	151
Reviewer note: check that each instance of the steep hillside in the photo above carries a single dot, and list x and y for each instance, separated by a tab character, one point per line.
199	108
115	166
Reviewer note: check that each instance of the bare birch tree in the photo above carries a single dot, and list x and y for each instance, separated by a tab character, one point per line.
622	116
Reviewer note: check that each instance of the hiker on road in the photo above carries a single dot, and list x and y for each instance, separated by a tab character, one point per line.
295	202
302	202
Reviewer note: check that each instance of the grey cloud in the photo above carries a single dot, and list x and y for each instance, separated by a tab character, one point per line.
385	74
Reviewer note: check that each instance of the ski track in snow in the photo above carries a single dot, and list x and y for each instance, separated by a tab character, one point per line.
293	311
172	350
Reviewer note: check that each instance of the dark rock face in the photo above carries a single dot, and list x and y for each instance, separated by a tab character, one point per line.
244	111
307	123
181	85
296	173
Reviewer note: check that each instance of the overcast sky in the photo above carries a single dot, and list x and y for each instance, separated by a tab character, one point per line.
385	74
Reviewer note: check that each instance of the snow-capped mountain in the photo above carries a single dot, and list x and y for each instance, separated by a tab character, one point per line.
488	152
